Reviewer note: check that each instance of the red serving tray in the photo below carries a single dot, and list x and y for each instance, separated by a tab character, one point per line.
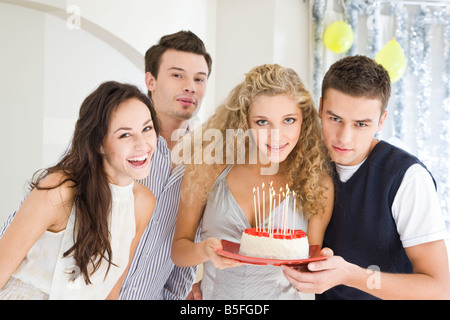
231	250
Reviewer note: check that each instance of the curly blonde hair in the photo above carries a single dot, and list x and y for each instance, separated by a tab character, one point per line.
304	169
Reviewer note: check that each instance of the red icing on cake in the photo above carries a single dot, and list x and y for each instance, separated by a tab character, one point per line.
276	233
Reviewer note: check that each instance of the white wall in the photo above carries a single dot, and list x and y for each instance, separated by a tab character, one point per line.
75	64
21	101
47	69
254	32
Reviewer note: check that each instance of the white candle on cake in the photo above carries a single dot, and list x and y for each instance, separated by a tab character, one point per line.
270	207
254	201
279	209
264	207
287	209
293	216
259	209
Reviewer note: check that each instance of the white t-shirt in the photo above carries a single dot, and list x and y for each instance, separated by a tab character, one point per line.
415	209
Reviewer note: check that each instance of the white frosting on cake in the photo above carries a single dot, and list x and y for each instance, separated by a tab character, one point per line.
269	247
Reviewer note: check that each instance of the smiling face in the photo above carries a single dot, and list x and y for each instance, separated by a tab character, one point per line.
276	121
129	143
349	125
180	86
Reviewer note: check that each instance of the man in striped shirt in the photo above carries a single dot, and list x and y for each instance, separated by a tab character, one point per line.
177	70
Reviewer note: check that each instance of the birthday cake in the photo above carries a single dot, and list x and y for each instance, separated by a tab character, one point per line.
274	244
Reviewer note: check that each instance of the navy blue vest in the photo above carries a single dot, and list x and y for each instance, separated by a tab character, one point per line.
362	229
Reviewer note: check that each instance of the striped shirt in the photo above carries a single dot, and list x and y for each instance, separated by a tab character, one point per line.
8	221
152	274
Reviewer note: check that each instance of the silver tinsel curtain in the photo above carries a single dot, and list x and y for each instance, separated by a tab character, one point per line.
419	109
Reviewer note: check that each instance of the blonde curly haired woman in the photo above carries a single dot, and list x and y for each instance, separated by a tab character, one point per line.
270	115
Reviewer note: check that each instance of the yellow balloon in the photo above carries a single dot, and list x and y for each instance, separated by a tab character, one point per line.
392	58
338	37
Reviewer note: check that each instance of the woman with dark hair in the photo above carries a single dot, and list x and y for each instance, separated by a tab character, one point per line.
75	233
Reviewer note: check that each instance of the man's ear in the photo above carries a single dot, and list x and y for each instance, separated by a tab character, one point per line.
382	119
150	81
320	108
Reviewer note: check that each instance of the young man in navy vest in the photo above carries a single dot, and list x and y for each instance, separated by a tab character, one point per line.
387	230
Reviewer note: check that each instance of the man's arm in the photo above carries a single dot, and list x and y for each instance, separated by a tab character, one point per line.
179	283
430	278
7	223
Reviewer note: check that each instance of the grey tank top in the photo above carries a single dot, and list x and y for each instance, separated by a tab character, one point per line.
224	219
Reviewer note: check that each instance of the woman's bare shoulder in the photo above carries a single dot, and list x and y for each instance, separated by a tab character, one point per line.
144	201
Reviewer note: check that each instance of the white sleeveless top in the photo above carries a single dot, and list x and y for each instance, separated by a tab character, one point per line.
45	268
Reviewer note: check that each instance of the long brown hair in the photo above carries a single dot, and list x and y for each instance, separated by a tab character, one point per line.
82	165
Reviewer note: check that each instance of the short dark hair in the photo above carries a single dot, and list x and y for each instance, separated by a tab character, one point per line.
359	76
185	41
